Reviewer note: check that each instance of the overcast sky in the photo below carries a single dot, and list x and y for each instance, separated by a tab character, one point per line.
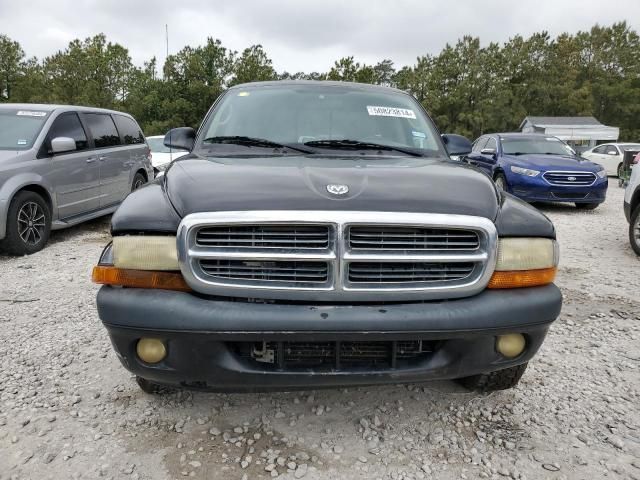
300	35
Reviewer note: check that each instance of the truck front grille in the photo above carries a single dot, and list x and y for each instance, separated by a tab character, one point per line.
403	272
411	238
336	256
264	236
266	271
569	179
334	355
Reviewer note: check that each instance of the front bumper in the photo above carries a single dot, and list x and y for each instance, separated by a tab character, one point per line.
202	336
536	189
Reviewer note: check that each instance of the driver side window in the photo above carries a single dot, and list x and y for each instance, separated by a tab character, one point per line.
491	143
68	125
600	149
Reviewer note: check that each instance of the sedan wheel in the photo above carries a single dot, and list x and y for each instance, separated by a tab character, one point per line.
501	182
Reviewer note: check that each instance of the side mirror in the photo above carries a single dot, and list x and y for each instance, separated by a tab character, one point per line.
183	138
456	144
62	144
488	151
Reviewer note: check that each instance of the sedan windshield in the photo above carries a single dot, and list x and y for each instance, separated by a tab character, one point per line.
534	145
319	118
19	128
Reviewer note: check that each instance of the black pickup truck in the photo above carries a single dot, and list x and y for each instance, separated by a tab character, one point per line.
317	235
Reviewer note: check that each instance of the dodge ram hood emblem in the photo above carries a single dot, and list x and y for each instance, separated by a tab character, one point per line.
337	189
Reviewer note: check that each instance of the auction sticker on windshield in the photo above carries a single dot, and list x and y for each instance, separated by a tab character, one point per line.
390	112
31	113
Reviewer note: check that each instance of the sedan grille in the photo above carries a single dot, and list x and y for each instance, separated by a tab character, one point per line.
402	272
264	236
580	179
411	238
267	271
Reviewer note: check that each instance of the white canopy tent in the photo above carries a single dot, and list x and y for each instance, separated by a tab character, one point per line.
576	131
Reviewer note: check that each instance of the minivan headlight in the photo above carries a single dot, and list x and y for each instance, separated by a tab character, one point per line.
525	171
525	262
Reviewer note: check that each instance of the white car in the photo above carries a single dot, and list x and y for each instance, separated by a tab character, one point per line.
632	208
610	155
162	156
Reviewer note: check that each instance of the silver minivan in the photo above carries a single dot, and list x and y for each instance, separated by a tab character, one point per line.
62	165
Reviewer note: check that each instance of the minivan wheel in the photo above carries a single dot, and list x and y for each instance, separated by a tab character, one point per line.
28	224
634	230
138	181
501	182
499	380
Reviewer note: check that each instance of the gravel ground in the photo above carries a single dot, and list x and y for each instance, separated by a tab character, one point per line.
69	410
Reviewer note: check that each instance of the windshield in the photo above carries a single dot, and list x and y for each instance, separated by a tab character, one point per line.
539	145
19	128
157	145
293	115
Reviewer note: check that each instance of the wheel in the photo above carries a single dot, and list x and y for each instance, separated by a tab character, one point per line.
619	171
28	224
501	182
587	206
634	230
147	386
138	181
499	380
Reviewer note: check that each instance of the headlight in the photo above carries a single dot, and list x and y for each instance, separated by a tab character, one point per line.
141	262
525	262
602	173
142	252
525	171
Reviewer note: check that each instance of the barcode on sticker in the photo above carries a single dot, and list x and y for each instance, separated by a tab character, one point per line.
391	112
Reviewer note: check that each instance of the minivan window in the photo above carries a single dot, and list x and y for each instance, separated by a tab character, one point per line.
102	129
20	128
298	114
68	125
129	130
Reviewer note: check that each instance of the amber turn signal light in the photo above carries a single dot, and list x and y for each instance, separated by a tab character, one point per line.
107	275
522	278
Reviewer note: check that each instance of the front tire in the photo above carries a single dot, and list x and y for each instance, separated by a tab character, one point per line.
634	230
28	224
501	182
587	206
619	172
498	380
138	181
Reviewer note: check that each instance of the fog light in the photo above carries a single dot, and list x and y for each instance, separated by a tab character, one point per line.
151	350
510	345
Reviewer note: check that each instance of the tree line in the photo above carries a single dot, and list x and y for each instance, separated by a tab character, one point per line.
467	88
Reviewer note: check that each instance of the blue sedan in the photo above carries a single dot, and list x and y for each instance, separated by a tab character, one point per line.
539	168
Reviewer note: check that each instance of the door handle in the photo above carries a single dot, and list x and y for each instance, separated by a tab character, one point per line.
91	159
102	159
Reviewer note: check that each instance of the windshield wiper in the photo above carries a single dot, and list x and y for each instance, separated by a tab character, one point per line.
252	142
357	145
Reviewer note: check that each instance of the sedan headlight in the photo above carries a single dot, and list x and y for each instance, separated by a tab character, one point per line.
602	173
525	262
525	171
142	252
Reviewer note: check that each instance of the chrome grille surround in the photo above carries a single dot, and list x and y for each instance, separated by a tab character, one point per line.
338	256
561	178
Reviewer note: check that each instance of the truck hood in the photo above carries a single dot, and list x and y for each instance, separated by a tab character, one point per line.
392	184
553	162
